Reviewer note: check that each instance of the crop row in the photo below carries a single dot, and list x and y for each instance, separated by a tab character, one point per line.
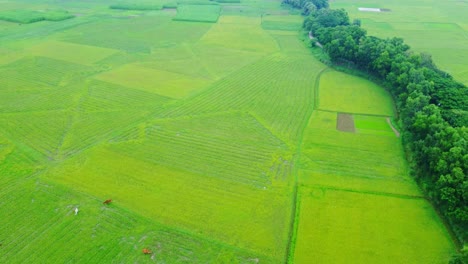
91	128
36	100
46	71
104	96
277	89
205	156
48	127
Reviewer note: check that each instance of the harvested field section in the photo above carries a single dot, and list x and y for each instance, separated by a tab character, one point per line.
366	228
345	123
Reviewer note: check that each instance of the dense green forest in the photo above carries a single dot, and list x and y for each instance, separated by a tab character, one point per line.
432	106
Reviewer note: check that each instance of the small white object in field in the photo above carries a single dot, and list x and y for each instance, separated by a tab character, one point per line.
365	9
76	210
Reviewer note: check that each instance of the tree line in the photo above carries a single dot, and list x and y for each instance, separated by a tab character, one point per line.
432	107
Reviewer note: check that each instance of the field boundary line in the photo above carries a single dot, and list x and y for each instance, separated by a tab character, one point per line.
351	113
395	179
294	221
389	122
317	86
403	196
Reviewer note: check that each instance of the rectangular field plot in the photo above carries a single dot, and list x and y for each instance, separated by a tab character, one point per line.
221	211
164	83
240	36
81	54
338	226
371	162
216	149
277	89
198	13
347	93
373	125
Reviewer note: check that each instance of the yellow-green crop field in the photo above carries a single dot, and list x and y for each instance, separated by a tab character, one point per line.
212	128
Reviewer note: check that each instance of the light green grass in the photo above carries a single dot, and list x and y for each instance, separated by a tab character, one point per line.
339	226
342	92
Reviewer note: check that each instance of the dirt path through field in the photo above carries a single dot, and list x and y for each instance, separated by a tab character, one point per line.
316	42
393	128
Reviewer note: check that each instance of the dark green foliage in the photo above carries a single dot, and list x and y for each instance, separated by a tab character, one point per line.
433	108
29	16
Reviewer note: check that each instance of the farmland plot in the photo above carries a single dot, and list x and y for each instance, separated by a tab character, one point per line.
205	137
355	195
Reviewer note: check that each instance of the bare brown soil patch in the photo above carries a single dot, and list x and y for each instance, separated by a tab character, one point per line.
345	123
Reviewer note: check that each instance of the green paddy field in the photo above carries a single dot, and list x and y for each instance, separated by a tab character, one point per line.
214	130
